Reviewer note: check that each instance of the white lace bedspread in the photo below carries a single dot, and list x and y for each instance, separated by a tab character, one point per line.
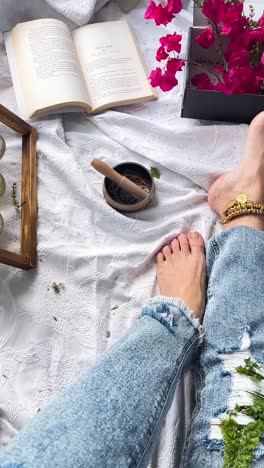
103	258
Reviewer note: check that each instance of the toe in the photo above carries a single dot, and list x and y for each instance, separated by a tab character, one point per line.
184	243
254	147
166	252
175	246
196	242
258	122
160	258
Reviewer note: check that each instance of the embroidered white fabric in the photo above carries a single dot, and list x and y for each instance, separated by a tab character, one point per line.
103	258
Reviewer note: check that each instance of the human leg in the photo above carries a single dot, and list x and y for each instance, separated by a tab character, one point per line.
111	417
234	325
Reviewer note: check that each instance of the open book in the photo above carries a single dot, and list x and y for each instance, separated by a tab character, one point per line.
96	67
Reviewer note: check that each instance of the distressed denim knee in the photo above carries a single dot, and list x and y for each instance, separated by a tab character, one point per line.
234	336
111	417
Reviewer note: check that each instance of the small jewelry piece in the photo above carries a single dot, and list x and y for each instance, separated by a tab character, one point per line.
241	206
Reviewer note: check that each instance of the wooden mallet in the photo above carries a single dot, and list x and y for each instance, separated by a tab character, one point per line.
121	181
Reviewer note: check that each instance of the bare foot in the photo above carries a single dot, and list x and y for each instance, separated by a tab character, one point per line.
247	177
182	271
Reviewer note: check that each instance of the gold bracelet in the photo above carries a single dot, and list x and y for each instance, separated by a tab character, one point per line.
241	206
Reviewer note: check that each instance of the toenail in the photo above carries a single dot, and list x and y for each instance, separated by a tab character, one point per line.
194	235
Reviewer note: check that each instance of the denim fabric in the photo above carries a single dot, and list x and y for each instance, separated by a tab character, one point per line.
235	305
112	416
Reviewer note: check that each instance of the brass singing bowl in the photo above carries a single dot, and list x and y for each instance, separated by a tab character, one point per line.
121	200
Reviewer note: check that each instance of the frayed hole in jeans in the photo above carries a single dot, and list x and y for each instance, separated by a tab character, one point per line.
239	395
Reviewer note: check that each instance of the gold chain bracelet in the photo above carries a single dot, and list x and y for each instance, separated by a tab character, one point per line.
241	206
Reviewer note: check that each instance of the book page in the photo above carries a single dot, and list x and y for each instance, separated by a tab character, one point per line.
111	64
47	66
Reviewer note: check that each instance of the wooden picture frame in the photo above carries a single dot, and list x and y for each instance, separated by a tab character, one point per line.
27	258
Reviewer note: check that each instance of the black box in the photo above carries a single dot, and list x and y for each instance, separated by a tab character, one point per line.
213	105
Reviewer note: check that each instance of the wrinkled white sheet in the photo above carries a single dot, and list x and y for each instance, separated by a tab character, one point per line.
103	258
72	12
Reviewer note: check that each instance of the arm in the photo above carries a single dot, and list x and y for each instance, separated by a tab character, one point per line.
113	414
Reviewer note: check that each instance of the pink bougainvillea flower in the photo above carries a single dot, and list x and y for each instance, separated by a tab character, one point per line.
159	13
214	9
233	20
171	42
162	15
168	81
203	81
259	70
155	77
161	54
246	39
239	81
219	68
174	6
241	74
238	59
261	21
150	11
174	65
242	41
257	35
259	74
220	87
206	38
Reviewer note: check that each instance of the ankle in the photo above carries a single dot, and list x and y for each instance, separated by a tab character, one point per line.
256	222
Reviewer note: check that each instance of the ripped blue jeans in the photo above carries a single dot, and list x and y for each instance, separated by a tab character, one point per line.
111	417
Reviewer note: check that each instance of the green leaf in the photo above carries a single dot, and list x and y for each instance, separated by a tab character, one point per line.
155	172
242	440
55	318
250	369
